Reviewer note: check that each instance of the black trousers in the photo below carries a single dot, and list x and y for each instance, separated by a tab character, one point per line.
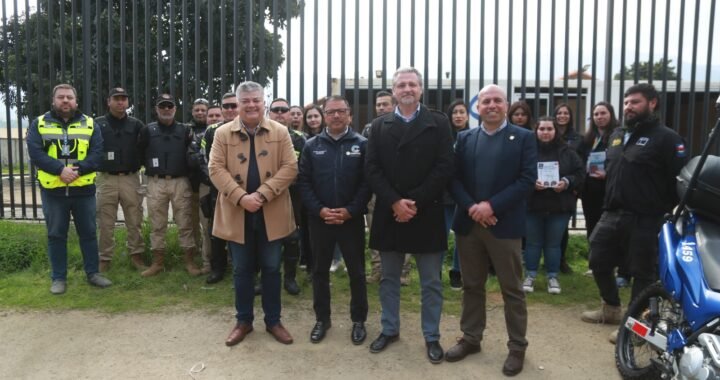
624	237
350	236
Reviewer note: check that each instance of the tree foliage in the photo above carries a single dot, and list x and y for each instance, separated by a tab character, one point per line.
659	70
39	53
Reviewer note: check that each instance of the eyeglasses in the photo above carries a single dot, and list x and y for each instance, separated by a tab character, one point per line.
279	109
201	101
166	106
229	106
339	112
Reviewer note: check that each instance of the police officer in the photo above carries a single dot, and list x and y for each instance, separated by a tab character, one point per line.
335	193
643	159
198	157
164	146
67	150
280	112
118	181
198	125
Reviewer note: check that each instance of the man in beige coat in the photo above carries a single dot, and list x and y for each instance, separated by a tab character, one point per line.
252	164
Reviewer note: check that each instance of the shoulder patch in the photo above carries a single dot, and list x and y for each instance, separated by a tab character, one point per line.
616	142
680	150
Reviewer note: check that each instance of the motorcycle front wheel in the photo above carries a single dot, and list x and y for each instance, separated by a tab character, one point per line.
633	354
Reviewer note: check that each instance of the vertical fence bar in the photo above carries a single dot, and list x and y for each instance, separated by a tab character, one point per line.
110	42
61	40
135	95
19	97
384	49
86	83
274	12
413	41
580	127
594	54
356	89
171	67
496	38
123	58
211	49
158	48
73	42
466	93
663	109
608	51
98	56
426	69
261	46
453	54
51	44
223	46
8	120
708	66
651	58
329	49
302	55
184	77
398	28
538	34
343	36
523	69
236	46
509	90
566	53
371	65
678	81
439	90
146	40
621	90
691	93
196	46
315	51
636	77
288	59
551	80
481	77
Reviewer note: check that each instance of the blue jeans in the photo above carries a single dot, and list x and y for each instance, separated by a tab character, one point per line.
544	233
57	211
449	216
245	259
429	265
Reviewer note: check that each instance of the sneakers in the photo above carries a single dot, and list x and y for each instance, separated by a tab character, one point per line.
529	284
553	285
58	287
96	279
608	314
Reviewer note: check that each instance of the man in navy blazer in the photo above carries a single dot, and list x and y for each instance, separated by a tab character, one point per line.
495	171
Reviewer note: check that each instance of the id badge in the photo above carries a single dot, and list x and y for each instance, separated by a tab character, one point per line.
65	150
155	162
111	156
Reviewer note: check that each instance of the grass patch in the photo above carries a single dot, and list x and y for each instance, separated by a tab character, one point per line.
27	288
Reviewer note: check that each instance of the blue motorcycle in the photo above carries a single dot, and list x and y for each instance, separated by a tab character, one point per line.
672	329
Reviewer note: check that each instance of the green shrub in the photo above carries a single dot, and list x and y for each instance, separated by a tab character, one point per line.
22	246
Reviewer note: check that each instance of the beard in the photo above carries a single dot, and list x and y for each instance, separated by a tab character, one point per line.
632	119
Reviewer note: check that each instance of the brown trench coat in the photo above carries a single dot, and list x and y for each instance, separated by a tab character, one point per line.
228	169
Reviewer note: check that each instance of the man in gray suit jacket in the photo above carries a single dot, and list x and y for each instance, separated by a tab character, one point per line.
495	172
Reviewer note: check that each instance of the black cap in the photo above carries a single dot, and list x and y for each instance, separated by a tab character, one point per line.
118	91
164	98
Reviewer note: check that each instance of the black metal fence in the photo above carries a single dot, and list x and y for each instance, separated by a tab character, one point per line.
543	51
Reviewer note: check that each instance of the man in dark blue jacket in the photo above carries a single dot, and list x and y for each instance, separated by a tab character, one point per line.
333	189
495	172
66	148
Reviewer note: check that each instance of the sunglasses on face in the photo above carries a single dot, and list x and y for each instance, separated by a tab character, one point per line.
279	109
166	106
229	106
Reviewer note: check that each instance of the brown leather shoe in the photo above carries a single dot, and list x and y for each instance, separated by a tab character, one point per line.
514	363
280	333
238	333
462	349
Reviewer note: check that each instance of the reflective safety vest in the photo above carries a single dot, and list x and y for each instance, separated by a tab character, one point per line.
76	141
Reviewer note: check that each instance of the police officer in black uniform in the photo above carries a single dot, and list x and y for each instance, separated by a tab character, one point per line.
643	159
118	181
164	147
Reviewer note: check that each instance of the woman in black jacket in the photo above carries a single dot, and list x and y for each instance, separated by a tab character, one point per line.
459	121
560	174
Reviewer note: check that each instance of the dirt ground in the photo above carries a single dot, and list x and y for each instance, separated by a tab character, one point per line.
90	345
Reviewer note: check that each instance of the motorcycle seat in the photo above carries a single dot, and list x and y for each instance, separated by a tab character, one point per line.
707	235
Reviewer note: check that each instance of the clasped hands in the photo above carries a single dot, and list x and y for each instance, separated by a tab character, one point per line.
252	202
483	214
334	215
69	174
404	210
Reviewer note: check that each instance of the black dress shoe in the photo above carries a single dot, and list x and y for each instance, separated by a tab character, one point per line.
358	333
291	286
214	277
514	363
435	352
382	342
318	331
462	349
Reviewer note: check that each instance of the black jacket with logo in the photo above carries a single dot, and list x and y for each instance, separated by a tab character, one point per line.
641	173
332	174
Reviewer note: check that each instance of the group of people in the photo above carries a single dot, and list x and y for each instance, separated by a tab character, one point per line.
250	178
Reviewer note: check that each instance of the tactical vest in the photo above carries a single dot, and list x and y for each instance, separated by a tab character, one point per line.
165	153
120	152
70	145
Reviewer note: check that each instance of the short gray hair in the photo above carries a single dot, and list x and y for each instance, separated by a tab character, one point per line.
249	86
405	70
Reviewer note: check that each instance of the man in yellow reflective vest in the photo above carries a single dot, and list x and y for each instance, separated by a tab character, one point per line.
66	148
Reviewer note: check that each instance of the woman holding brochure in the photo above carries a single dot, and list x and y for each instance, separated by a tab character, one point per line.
592	151
560	174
